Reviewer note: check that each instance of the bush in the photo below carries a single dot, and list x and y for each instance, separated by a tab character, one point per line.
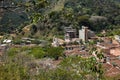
54	52
12	51
37	52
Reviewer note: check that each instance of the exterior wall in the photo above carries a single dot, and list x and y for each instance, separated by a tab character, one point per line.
67	38
70	33
86	33
83	34
91	34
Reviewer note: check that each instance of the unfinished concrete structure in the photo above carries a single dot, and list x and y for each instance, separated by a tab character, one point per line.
85	34
70	33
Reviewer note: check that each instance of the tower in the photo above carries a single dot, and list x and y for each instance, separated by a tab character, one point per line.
83	34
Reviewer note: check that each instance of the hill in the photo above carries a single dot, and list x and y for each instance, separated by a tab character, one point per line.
57	14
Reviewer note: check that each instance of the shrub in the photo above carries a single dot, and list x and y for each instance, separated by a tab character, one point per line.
54	52
12	51
37	52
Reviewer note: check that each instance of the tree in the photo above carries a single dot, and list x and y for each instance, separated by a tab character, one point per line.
82	68
54	52
33	9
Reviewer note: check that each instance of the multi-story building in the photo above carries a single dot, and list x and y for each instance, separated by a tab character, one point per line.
85	34
70	33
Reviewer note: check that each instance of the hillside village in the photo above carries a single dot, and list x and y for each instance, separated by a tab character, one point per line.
110	48
106	50
59	40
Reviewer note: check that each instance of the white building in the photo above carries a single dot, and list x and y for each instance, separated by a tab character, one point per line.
85	34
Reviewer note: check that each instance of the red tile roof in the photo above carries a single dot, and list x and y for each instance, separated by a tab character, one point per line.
111	70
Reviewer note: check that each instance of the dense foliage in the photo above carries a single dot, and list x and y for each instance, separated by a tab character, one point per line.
52	16
24	67
37	52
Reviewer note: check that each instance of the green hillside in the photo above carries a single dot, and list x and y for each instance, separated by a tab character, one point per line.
11	21
53	15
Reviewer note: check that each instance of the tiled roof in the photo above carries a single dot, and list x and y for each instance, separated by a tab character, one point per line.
107	45
115	51
77	52
107	66
111	70
116	61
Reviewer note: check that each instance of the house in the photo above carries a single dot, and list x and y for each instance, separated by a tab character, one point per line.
107	40
110	70
57	42
115	51
106	47
76	50
111	66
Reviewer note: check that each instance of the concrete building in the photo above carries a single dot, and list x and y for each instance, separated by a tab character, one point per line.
85	34
70	33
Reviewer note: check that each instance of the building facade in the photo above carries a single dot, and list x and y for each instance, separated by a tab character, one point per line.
70	33
85	34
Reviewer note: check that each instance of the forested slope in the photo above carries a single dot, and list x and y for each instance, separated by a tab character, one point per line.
53	15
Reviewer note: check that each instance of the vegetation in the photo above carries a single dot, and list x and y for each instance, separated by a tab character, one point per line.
71	68
45	19
37	52
50	19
